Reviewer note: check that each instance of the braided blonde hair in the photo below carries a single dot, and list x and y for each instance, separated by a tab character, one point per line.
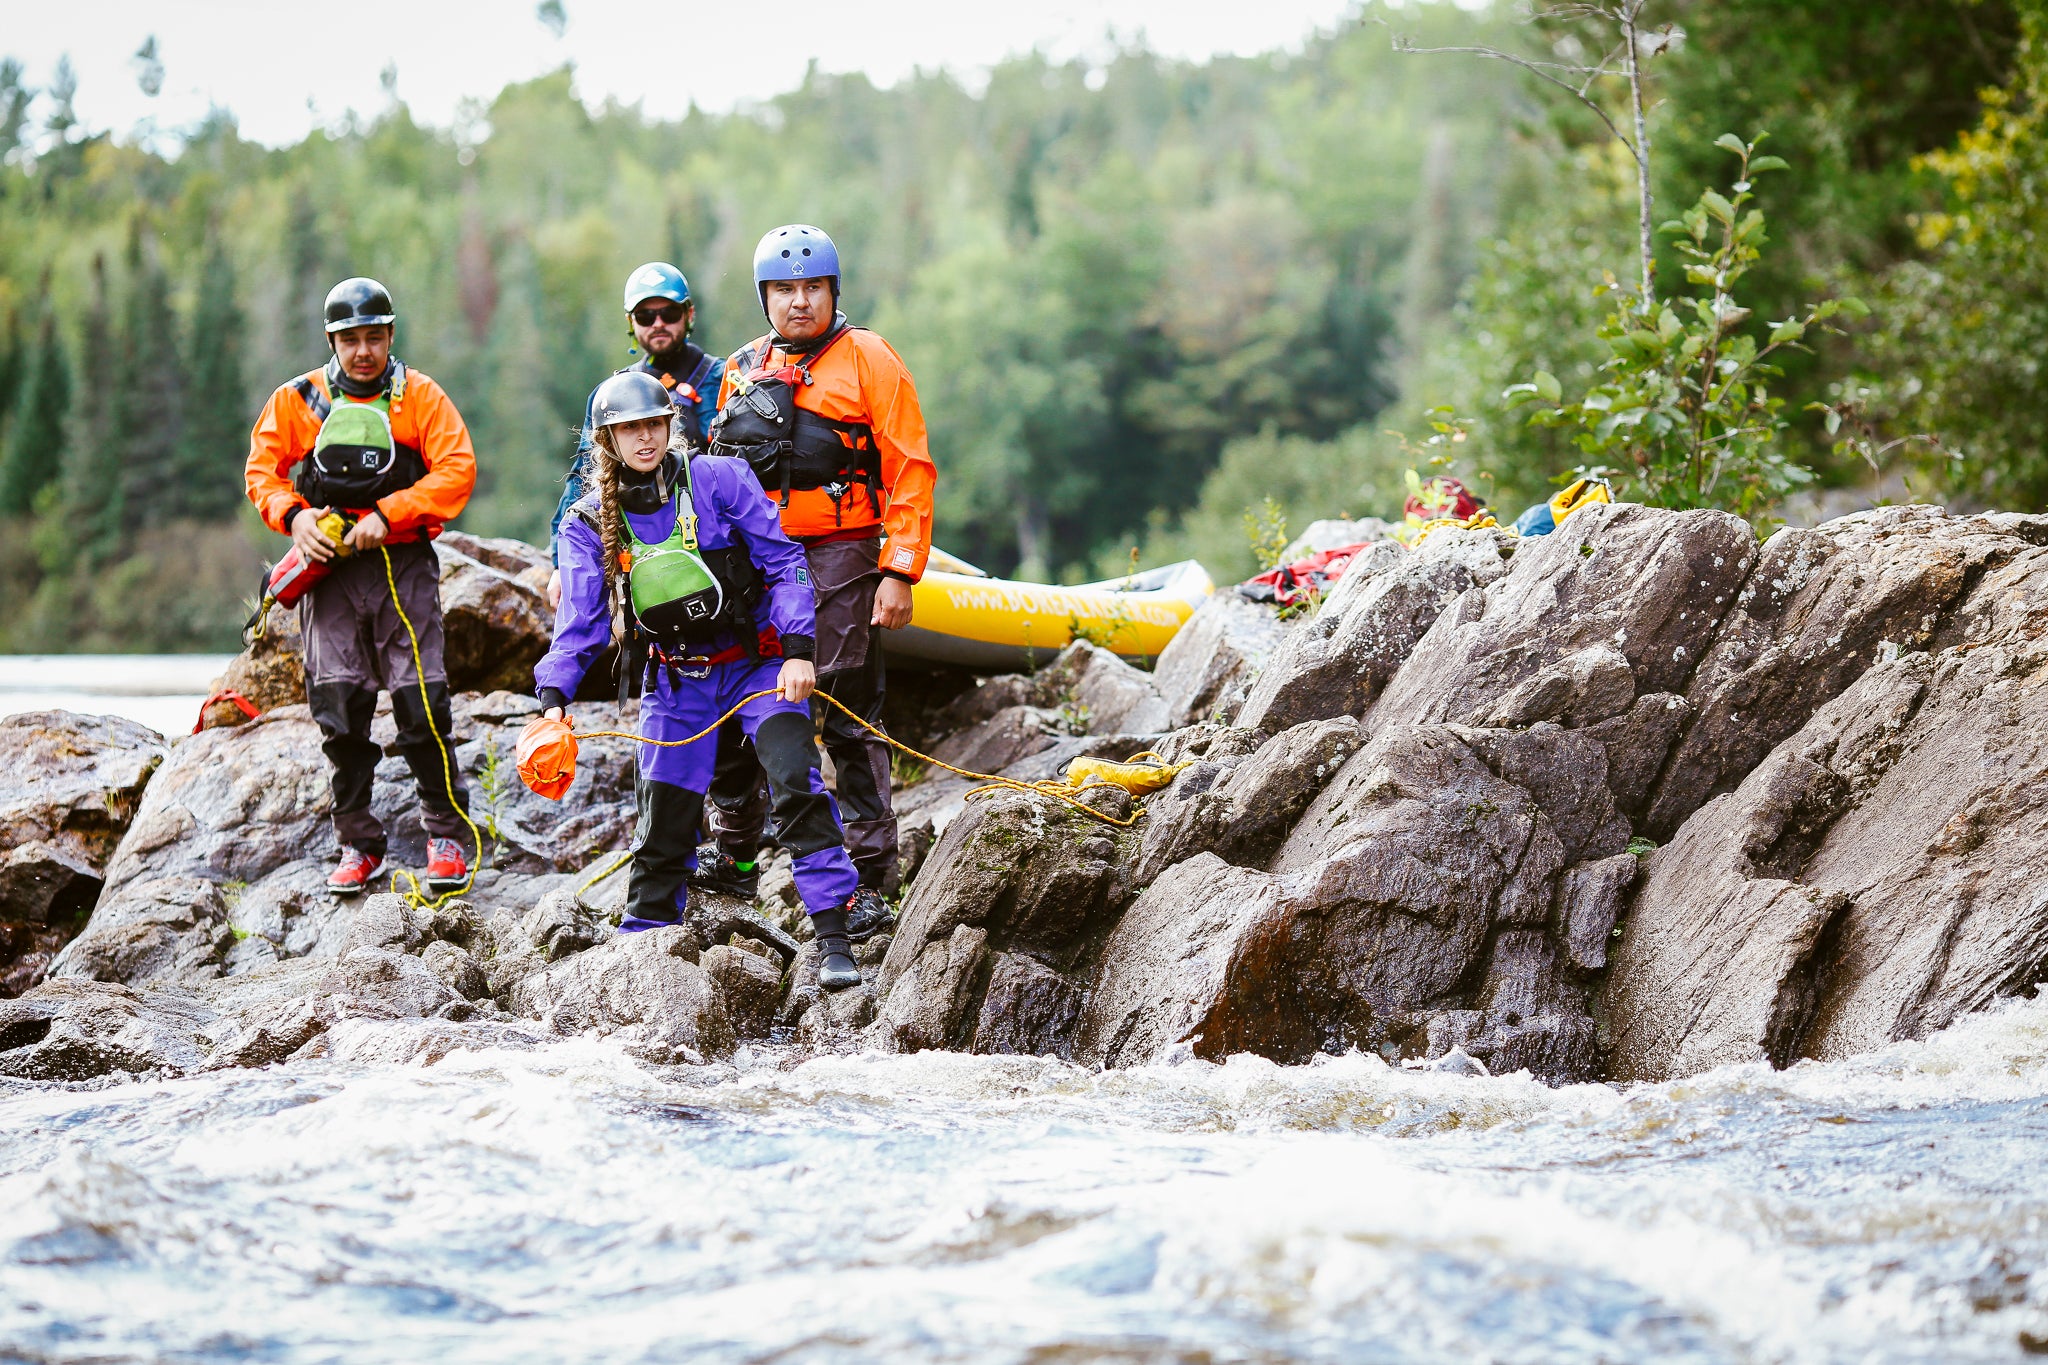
611	519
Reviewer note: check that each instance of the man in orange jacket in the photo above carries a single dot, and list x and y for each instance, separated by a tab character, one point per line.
382	445
827	415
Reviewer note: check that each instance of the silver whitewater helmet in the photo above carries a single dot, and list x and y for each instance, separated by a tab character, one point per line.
628	396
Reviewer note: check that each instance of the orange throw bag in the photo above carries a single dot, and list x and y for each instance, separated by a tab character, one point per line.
547	756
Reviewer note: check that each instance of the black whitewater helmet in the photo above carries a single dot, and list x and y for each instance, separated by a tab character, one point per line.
359	302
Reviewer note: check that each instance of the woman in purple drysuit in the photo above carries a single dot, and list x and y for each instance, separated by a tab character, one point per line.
759	637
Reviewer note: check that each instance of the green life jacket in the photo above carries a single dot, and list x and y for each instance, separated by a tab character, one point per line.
355	459
676	597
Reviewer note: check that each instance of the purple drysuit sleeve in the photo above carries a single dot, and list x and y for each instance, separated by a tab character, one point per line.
757	523
582	625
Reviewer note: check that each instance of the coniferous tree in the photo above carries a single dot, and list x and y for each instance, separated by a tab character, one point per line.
34	453
216	435
90	496
13	359
153	406
15	98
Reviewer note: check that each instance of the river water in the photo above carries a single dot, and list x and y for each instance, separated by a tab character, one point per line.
163	691
568	1204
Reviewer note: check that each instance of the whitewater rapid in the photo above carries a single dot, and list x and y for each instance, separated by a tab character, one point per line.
569	1204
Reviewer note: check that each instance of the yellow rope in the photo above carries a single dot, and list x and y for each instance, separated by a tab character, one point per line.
417	896
614	866
992	781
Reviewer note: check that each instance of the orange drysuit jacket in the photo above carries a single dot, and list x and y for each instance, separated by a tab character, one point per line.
860	378
423	418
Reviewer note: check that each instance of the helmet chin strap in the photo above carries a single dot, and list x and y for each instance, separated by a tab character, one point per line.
643	493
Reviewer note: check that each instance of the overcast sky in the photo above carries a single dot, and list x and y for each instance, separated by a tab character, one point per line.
265	61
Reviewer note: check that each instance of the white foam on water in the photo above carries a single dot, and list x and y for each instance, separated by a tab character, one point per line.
567	1203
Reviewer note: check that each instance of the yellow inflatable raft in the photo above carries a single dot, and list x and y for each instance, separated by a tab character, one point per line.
961	616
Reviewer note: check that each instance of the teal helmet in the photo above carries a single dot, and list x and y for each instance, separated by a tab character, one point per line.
656	280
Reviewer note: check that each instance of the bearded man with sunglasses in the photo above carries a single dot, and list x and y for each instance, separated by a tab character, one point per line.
660	313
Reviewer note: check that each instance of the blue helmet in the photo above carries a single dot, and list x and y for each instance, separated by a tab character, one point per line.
656	280
796	251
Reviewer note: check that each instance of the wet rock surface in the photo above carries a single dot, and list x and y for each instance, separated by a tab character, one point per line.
1631	800
70	786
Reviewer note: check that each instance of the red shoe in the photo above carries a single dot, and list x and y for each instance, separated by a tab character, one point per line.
447	869
357	870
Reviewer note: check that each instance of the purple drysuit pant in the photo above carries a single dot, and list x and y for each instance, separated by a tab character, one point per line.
670	784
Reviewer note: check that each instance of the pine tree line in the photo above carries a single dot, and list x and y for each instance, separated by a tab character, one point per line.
136	424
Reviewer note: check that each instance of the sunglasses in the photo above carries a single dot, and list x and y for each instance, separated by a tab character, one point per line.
670	313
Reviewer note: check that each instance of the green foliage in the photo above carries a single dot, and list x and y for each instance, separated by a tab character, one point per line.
1964	329
1265	533
1102	276
1853	96
215	438
1356	474
34	453
1684	413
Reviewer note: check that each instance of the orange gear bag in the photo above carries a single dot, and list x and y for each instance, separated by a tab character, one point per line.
547	757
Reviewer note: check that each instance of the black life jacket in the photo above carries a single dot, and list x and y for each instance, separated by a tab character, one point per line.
355	474
788	446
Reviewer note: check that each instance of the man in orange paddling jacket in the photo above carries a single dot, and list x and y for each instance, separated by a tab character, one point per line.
827	415
382	445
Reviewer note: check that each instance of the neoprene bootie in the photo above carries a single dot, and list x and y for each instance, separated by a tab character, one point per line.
836	967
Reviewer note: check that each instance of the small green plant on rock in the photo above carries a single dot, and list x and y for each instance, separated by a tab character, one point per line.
1686	416
491	784
1265	530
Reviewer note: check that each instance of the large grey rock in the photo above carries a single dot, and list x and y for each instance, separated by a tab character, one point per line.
230	805
750	985
1028	1009
1008	736
269	1014
460	971
1099	693
163	931
1242	812
1421	884
41	883
1820	608
69	788
1875	877
496	624
1015	873
73	782
1210	664
646	989
76	1030
1620	583
1336	663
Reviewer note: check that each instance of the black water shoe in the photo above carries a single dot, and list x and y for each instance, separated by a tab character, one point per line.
836	967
